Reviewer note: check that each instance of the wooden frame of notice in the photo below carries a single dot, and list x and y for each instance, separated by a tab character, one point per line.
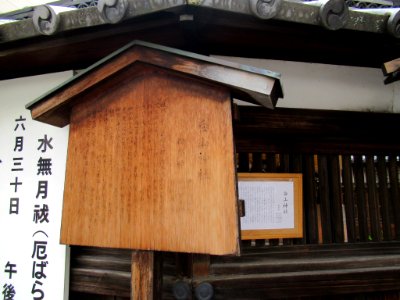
294	231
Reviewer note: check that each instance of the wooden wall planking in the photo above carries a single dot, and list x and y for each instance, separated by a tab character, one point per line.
325	204
384	198
348	198
336	199
310	201
373	205
395	191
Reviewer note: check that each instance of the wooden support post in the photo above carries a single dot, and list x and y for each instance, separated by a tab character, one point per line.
200	265
146	280
200	270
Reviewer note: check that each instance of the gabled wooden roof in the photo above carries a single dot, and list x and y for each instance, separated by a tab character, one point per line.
245	82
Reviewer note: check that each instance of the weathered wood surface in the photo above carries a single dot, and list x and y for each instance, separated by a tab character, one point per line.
277	272
316	131
146	277
100	271
151	166
306	271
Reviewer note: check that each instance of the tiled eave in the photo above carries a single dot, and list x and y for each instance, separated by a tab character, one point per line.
330	14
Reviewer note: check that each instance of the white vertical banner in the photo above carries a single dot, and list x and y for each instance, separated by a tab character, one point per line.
32	170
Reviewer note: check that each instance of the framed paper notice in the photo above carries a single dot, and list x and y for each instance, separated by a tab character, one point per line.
273	205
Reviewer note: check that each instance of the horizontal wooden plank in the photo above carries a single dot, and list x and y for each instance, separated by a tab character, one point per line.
294	264
306	270
316	131
315	122
319	249
305	285
100	281
104	262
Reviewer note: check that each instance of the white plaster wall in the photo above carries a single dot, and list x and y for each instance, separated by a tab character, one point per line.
305	85
320	86
29	88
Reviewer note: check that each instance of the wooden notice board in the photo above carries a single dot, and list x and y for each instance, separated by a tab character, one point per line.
150	166
273	205
151	162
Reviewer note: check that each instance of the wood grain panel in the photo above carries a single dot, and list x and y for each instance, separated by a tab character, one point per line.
151	166
145	276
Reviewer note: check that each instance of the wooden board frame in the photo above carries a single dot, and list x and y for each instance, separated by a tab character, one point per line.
297	231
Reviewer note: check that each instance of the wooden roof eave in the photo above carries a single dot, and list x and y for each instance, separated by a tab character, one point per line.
331	14
247	83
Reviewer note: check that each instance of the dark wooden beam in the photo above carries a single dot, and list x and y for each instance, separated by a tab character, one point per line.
209	32
79	49
316	131
303	271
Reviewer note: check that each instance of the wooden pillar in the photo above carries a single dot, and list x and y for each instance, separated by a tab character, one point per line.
146	270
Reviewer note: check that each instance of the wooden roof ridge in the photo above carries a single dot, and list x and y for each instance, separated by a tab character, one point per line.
247	83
